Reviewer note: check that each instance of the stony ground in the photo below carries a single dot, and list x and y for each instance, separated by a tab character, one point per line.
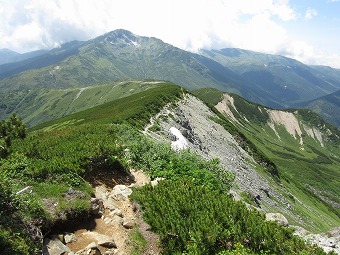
194	119
108	234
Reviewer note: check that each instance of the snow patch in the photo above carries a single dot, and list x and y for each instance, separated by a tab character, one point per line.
180	143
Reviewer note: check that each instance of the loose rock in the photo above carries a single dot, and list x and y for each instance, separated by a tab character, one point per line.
278	217
121	192
54	247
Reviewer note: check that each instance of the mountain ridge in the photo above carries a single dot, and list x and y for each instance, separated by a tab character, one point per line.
270	80
57	157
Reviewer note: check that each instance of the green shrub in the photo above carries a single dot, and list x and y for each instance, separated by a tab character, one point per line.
197	219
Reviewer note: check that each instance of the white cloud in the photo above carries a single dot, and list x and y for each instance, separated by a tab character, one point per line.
190	24
305	53
310	13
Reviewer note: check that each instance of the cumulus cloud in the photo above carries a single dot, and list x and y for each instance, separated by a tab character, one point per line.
190	25
310	13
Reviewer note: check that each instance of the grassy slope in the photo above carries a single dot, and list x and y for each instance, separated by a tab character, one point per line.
54	103
135	109
315	166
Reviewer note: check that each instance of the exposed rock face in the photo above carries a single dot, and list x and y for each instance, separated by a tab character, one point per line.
97	206
109	233
209	139
69	238
194	120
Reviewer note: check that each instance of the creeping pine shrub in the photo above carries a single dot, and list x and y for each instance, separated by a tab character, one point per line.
193	218
11	129
160	160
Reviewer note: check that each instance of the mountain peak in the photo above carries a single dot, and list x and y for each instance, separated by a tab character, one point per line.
122	38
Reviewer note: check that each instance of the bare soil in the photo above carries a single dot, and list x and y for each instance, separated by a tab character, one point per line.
111	225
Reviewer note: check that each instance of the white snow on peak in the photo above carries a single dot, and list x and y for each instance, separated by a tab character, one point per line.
135	43
180	143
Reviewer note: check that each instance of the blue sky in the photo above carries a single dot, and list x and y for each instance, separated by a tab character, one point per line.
305	30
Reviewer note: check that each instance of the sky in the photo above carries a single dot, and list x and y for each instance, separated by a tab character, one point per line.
307	30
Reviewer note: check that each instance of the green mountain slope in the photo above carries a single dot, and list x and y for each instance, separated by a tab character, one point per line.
135	109
305	149
40	105
328	107
286	80
120	55
38	59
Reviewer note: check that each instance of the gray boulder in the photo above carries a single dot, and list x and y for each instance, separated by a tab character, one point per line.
54	247
97	206
278	217
120	192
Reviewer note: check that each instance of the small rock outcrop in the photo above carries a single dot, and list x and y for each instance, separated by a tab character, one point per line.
55	247
120	192
97	206
278	217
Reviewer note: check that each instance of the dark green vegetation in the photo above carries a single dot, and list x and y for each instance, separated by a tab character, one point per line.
197	219
307	164
56	161
10	130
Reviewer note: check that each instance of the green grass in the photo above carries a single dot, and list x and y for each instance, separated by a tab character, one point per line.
53	103
137	242
209	95
136	109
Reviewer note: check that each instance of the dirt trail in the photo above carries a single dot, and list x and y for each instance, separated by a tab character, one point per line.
111	225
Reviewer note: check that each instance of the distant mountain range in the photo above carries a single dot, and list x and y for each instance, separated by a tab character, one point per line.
271	80
9	56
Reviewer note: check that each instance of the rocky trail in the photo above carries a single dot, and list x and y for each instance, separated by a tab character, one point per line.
109	233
